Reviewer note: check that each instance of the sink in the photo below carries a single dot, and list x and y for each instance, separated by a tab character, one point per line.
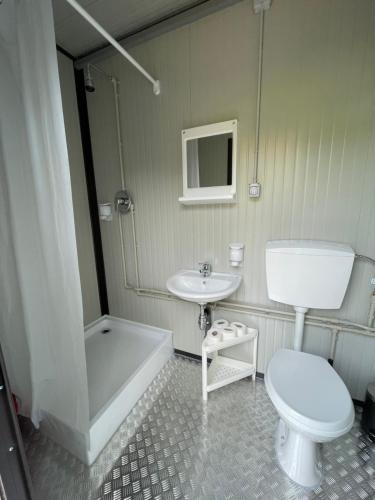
192	286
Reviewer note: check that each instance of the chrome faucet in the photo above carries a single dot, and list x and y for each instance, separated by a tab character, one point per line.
205	269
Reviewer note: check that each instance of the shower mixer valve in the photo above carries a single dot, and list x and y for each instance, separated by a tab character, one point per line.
123	201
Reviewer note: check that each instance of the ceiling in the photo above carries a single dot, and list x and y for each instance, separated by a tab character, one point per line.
118	17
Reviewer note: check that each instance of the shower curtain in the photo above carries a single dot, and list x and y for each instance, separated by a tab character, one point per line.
41	320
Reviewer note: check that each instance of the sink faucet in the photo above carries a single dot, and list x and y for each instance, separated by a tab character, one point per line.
205	269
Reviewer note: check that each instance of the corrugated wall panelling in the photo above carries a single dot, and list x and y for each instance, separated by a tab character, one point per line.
317	153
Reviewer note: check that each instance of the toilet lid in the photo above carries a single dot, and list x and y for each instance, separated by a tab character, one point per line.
308	390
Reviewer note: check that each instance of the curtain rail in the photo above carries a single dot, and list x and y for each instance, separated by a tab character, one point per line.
81	11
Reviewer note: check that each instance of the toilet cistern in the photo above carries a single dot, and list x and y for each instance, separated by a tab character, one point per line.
308	274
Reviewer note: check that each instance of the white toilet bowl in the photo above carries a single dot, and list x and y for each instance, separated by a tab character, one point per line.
314	406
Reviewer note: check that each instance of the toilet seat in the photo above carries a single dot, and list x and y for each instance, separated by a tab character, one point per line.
309	395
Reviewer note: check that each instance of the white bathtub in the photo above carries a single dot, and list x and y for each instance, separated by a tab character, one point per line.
121	364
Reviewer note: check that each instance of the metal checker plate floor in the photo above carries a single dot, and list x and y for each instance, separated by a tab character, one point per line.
172	446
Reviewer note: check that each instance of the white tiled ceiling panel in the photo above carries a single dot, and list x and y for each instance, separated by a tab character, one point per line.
118	17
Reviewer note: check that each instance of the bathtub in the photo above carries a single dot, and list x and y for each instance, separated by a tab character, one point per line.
122	359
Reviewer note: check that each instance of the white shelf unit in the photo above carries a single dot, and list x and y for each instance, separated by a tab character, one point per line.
224	370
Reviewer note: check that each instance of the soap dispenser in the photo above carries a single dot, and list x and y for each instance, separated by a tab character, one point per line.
236	254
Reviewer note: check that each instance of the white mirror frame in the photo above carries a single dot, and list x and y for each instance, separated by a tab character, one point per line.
213	194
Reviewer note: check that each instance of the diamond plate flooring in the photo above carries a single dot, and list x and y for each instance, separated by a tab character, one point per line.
173	446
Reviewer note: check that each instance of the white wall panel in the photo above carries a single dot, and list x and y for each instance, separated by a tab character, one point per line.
317	154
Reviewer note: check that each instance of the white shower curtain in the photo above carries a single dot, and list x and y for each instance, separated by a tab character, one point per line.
41	320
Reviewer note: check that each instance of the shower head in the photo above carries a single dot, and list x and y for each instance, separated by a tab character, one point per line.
89	82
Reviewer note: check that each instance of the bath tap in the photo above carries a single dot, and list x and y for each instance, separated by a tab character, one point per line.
205	269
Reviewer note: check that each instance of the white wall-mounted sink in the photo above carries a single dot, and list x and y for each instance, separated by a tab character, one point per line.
192	286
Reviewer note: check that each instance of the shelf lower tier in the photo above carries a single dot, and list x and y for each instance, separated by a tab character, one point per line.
224	370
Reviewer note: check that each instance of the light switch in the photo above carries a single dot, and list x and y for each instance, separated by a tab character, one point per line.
254	190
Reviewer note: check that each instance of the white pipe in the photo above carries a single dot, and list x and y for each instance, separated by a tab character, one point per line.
333	343
223	304
135	247
340	326
76	6
100	70
115	84
329	321
116	95
366	258
371	314
259	97
299	327
268	313
123	256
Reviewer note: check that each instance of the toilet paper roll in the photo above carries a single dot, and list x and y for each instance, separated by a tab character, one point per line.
220	323
241	328
229	332
213	336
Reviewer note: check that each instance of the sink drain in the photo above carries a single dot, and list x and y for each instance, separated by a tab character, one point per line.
105	330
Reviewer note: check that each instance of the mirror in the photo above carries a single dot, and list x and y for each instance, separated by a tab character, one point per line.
209	163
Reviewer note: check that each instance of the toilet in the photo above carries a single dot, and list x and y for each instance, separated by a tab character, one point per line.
314	406
312	401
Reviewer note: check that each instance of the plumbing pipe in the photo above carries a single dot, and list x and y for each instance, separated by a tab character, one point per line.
77	7
116	94
123	256
325	319
268	313
135	247
100	70
340	326
299	326
156	294
364	257
332	352
371	314
259	96
115	85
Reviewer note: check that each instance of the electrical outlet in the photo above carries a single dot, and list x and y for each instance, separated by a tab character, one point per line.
372	281
254	190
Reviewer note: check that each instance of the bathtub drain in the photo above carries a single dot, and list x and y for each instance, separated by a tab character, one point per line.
106	330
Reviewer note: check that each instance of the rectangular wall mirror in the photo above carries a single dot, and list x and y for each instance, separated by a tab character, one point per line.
209	155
